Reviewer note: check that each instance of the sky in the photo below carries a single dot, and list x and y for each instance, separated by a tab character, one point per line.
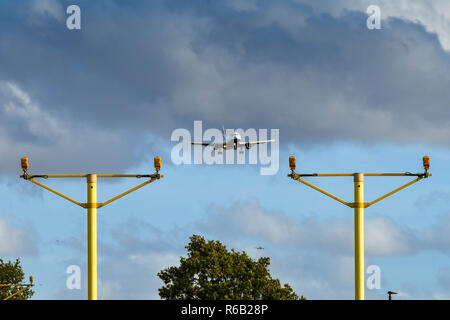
344	98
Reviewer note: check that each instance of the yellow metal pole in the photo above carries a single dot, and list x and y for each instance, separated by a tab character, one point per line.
359	206
16	293
91	205
359	236
92	235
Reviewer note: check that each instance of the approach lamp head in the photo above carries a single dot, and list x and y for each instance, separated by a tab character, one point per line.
157	163
24	163
292	163
426	163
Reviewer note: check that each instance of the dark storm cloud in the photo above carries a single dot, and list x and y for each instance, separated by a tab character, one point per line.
148	67
54	144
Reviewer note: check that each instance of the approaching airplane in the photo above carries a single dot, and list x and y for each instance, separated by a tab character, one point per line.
259	248
233	143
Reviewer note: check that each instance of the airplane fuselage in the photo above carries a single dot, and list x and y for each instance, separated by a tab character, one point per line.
234	142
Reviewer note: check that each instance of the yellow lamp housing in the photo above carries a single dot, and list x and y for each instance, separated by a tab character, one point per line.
426	163
157	163
292	163
24	163
31	279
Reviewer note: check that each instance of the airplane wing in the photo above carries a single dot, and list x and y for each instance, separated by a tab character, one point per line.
251	143
210	144
201	143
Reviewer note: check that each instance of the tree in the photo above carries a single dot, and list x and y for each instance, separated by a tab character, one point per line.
12	273
211	272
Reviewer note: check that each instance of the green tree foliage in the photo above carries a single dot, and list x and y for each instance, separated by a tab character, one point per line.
12	273
211	272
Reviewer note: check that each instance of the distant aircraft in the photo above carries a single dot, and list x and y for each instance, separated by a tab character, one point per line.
259	248
233	143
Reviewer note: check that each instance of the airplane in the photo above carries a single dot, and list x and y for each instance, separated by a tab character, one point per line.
233	143
259	248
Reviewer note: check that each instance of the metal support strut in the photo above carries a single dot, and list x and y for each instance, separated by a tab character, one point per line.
358	205
92	205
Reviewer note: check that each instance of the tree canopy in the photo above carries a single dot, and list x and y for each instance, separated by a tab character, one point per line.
12	273
211	272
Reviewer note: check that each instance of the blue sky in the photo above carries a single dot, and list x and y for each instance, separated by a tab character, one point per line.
346	99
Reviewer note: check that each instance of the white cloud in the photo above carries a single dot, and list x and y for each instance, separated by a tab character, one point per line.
316	257
433	14
386	238
383	237
255	222
437	236
441	296
133	276
52	8
131	261
16	240
110	289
